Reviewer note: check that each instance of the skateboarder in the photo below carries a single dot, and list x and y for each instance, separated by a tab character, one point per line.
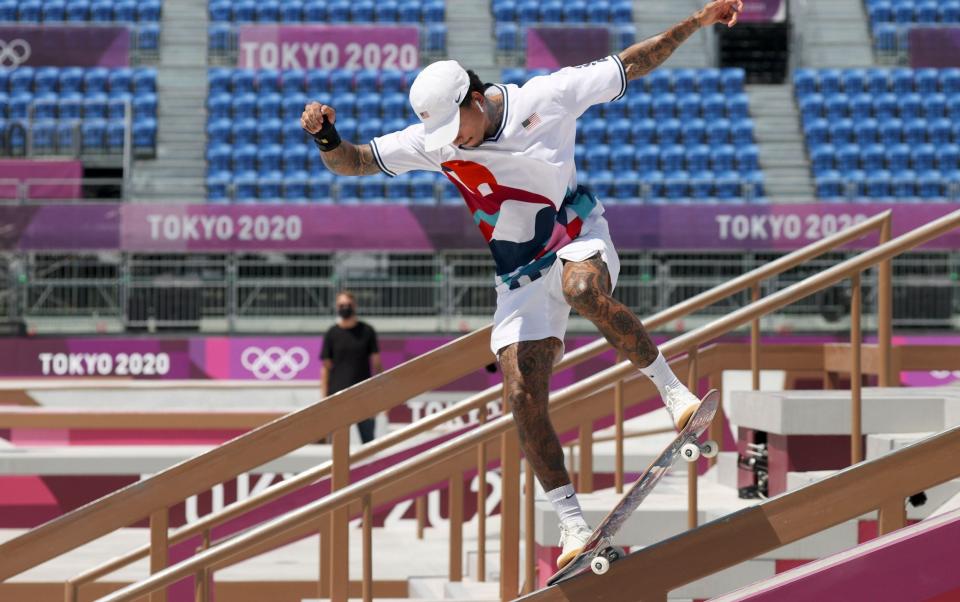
509	150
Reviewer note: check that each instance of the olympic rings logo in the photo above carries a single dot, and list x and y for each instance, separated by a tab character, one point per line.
275	362
14	54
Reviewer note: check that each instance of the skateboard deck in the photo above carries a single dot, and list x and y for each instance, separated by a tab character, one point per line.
599	542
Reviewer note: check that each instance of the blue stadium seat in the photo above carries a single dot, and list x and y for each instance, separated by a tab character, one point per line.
268	11
361	11
295	159
950	81
337	11
926	81
836	106
926	13
21	81
575	12
861	106
397	190
292	106
318	84
245	188
748	158
886	106
291	11
244	106
878	184
643	131
423	188
664	106
551	11
70	80
647	158
268	131
719	132
595	130
125	11
915	131
902	81
598	159
145	135
220	158
144	106
117	105
95	107
622	11
436	37
638	105
698	158
948	158
694	132
119	81
295	187
885	38
293	135
346	105
891	132
904	184
688	107
8	10
145	80
898	158
217	187
93	135
53	11
269	158
244	159
434	11
219	80
923	157
903	13
268	81
368	129
829	185
315	11
823	159
46	80
347	127
614	110
268	106
684	81
723	158
408	12
949	12
668	131
148	11
841	132
367	81
621	159
618	131
848	158
45	106
341	81
43	133
659	82
742	132
598	12
811	107
373	188
626	188
738	107
244	131
391	80
625	35
934	105
953	107
243	81
220	132
348	191
116	136
853	81
804	82
878	81
293	81
29	11
911	106
507	37
393	105
732	79
701	186
677	185
873	157
220	11
930	185
673	158
320	187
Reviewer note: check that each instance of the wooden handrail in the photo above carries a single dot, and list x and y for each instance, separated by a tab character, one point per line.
71	418
188	478
286	526
756	530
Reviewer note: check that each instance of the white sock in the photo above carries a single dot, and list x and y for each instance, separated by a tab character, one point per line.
564	500
662	375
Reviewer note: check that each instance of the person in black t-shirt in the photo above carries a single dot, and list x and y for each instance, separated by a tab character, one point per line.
349	350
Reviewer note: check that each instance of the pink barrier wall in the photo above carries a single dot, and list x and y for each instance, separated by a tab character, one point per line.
26	170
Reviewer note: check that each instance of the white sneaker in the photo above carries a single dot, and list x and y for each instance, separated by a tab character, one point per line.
573	537
681	404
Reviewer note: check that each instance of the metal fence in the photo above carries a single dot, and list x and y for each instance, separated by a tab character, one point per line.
184	290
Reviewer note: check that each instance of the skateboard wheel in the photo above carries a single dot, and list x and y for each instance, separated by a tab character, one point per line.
690	452
710	449
600	565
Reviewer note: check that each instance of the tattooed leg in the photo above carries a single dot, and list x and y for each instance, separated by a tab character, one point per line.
527	366
586	287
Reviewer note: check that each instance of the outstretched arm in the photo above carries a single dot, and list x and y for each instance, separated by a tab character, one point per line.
348	159
643	57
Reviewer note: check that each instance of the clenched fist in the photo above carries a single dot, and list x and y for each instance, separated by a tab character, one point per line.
313	115
721	11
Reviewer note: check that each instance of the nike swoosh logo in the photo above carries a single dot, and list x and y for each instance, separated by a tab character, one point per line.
459	98
570	496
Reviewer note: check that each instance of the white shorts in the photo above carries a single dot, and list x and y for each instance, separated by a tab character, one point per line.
538	310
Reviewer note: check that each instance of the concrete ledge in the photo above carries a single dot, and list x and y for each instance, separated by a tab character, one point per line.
886	410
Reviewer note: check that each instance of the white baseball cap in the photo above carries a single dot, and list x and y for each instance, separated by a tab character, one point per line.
436	95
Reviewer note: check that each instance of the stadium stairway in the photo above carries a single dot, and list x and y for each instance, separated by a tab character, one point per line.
783	156
178	171
470	37
831	33
653	17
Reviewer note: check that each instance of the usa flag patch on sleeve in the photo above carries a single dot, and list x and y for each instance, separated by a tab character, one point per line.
531	122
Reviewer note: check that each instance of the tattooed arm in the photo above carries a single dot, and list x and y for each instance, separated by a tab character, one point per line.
348	159
643	57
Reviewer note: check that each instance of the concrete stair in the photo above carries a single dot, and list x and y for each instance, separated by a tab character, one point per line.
177	173
783	154
470	37
652	17
831	33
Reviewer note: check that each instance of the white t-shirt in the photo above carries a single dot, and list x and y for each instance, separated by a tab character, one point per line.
520	184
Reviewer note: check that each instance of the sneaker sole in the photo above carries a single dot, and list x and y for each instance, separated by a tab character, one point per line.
565	559
685	417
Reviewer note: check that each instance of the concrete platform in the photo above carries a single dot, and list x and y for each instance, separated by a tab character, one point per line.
885	410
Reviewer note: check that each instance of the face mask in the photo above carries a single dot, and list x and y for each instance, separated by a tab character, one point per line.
345	311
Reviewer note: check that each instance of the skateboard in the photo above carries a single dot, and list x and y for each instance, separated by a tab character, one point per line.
598	552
